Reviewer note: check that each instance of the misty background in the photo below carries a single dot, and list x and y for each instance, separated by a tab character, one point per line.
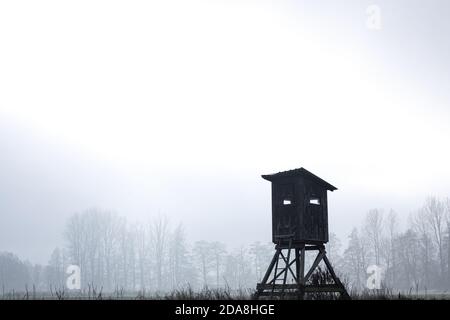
176	109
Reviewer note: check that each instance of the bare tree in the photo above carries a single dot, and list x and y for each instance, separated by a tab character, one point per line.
125	251
434	213
355	259
218	252
143	250
262	254
419	223
390	248
334	246
75	237
92	219
243	272
55	271
447	218
182	270
159	233
408	256
374	232
14	273
203	253
110	223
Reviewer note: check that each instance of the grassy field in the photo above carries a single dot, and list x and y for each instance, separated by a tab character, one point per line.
208	294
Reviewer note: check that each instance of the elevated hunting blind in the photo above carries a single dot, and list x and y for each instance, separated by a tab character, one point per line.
299	206
299	225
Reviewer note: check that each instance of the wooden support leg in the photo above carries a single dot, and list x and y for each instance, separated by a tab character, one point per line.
300	255
267	274
344	293
287	261
270	288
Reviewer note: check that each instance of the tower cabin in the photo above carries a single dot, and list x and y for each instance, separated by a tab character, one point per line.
299	207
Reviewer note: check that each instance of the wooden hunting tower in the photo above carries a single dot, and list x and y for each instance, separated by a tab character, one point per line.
299	207
299	225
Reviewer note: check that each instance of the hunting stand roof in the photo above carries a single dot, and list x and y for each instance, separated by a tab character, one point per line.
300	172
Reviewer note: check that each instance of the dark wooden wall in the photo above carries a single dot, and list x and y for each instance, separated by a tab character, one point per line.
308	221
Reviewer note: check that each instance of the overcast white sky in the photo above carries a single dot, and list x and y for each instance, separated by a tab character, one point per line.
178	107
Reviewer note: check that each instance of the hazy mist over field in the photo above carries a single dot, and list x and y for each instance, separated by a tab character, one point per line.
176	108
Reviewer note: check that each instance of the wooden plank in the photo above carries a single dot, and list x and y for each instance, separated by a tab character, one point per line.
276	294
313	248
297	287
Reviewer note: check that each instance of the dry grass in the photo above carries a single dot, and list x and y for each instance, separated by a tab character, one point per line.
188	293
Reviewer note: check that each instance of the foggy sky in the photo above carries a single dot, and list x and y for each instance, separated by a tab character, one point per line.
178	108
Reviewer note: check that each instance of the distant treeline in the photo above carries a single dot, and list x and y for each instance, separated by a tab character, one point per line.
417	257
156	257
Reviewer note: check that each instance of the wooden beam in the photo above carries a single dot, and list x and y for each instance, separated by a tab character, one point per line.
316	288
302	266
316	262
311	248
330	268
269	270
283	270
